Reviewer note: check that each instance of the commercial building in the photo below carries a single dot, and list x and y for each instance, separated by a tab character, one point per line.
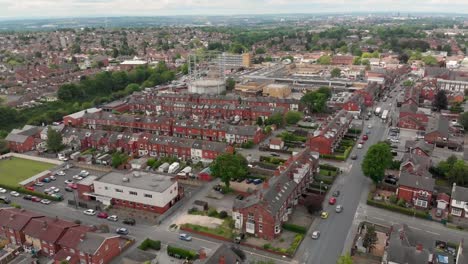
236	60
263	213
277	90
138	190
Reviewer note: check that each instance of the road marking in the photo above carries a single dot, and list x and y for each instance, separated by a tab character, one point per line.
412	227
434	233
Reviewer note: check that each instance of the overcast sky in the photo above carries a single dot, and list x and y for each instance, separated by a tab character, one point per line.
79	8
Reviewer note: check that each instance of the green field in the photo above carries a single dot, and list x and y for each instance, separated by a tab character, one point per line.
16	170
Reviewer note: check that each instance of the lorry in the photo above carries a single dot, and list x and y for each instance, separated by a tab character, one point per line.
163	167
174	167
377	111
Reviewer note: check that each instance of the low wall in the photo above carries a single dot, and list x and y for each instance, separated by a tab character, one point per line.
40	159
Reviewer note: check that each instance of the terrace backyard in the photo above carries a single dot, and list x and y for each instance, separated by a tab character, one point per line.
14	170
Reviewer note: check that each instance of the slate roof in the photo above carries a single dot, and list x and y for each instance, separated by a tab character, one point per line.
230	257
425	183
427	148
47	229
92	241
439	124
460	193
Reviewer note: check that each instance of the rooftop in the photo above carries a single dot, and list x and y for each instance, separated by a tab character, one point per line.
139	180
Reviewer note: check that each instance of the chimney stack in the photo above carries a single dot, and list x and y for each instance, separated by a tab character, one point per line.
44	224
82	237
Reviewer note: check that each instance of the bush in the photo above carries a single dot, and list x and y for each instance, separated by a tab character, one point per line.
267	246
248	145
401	203
223	214
149	243
213	213
181	253
395	208
328	167
295	228
295	244
393	199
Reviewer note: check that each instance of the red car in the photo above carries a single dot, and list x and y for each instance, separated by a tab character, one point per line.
332	200
362	142
35	199
30	188
102	215
73	186
365	137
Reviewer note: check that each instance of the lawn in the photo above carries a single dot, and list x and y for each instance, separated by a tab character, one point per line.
15	170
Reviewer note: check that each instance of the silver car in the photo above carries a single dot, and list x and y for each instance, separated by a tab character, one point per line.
339	208
315	235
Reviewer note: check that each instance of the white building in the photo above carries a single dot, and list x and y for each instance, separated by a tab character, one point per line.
459	201
138	190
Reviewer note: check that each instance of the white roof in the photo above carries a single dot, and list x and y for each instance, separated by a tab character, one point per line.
81	113
134	62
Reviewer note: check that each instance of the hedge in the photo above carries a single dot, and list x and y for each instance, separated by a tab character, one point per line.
328	167
399	209
21	189
182	253
149	243
295	228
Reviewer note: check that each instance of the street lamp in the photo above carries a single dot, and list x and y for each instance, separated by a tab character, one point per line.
321	182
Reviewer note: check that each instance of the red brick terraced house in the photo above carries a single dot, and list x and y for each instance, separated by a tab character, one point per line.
328	136
12	224
419	147
416	190
23	140
410	118
42	234
79	245
263	213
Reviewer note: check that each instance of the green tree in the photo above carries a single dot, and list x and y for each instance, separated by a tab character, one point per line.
463	119
75	48
377	159
336	72
345	259
237	48
3	147
184	69
430	61
370	238
316	102
357	61
324	60
260	50
275	119
54	140
259	121
230	84
440	100
459	173
229	166
119	158
292	117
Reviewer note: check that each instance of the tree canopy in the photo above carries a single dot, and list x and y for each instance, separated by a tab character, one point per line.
54	140
292	117
440	100
345	259
230	84
370	238
316	101
336	72
229	166
324	60
377	159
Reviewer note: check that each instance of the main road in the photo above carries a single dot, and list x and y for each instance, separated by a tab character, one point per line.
337	230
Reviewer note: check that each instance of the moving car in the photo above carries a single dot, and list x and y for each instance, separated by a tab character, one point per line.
15	194
102	215
359	146
332	200
89	212
339	208
324	215
122	231
354	157
369	126
365	137
113	218
84	173
185	237
315	235
129	221
45	201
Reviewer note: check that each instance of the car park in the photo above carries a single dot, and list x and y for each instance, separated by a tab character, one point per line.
324	215
185	237
113	218
60	173
77	177
315	235
102	215
39	184
122	231
45	201
339	208
46	180
15	194
129	221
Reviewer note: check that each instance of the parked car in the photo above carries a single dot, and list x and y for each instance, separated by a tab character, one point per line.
365	137
185	237
339	208
122	231
240	197
274	154
249	181
257	181
332	200
102	215
60	173
84	173
89	212
391	181
15	194
324	215
354	157
45	201
53	178
68	189
27	197
369	126
77	177
113	218
359	146
2	190
35	199
129	221
46	180
68	181
315	235
5	200
39	184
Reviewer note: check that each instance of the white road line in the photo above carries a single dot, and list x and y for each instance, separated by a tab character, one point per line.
412	227
434	233
204	240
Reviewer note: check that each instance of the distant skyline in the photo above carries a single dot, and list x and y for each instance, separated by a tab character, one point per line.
23	9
